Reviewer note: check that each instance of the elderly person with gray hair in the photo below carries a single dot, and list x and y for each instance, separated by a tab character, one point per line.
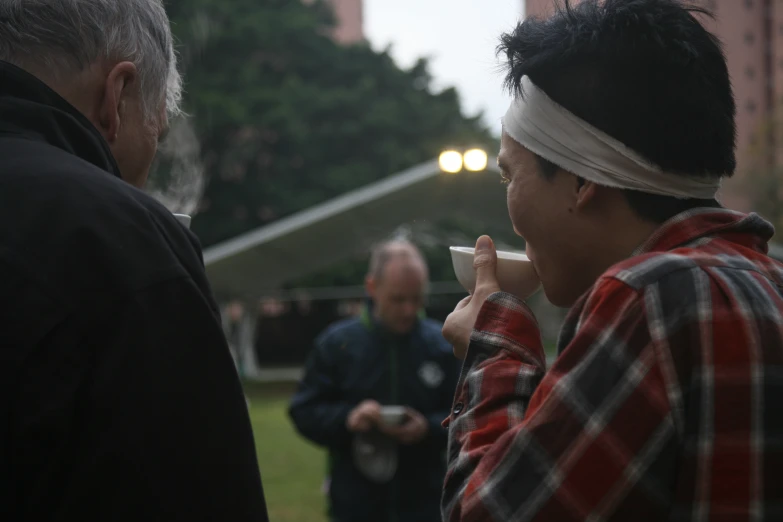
118	395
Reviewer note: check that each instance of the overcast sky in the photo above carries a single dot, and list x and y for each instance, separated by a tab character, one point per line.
459	36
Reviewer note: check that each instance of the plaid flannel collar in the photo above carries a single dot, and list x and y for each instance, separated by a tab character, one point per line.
749	230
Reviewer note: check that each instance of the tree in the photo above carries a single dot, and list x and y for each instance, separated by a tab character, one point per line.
286	118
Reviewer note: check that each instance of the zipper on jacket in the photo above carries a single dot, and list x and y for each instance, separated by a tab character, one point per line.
393	399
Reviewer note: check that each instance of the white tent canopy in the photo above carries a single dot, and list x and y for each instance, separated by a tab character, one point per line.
261	261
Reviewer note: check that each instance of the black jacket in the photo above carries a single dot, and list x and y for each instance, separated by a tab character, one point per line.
355	360
119	400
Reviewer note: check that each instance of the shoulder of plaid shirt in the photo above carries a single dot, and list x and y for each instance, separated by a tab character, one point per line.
663	404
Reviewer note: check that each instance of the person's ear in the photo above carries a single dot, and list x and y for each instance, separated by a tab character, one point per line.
585	192
120	84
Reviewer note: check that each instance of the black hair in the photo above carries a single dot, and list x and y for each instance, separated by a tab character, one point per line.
647	73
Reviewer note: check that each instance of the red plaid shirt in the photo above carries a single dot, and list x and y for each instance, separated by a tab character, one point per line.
665	402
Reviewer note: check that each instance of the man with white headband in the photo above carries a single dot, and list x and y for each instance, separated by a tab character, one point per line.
664	400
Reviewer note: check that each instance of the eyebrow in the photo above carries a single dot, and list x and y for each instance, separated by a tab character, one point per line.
502	165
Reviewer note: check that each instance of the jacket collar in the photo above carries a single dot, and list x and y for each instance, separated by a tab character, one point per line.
748	230
372	324
29	109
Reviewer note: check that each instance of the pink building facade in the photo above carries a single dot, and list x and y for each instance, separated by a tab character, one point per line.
349	15
350	18
752	35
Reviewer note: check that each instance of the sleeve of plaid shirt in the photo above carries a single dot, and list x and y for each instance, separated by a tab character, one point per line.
593	437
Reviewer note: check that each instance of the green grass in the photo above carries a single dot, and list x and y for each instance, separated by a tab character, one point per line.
292	469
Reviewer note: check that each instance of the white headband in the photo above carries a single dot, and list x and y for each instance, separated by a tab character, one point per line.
549	130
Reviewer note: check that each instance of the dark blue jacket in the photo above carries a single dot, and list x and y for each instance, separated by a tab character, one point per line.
354	360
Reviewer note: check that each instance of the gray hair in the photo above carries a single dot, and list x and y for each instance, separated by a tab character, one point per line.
61	36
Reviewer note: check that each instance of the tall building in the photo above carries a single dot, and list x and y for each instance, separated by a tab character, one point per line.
752	35
349	15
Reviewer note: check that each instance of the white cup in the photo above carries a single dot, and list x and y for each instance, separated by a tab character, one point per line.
515	272
184	219
393	415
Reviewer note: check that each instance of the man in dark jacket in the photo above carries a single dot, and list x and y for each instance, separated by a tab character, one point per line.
118	396
379	470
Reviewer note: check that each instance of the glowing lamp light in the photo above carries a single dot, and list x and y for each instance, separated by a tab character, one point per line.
450	161
475	160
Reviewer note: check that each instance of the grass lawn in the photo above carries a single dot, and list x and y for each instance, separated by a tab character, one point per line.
292	469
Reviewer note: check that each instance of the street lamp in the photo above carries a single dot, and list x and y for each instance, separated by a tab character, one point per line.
475	160
453	161
450	161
